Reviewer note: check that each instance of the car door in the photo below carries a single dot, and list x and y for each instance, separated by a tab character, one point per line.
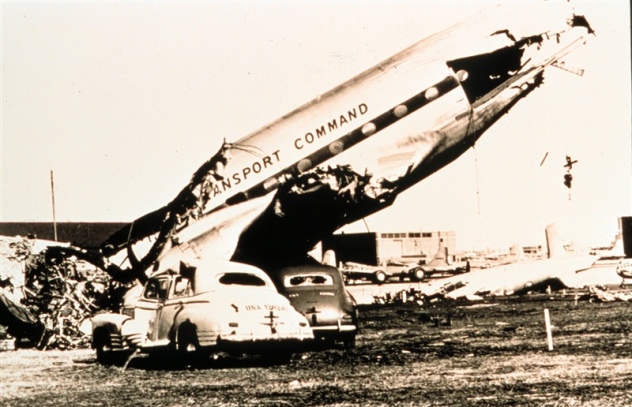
177	300
149	308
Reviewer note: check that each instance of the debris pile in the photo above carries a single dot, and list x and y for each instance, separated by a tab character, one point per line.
400	297
413	295
47	301
589	293
600	294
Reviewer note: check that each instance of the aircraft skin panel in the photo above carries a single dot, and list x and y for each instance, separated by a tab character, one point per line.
448	146
410	139
365	129
213	237
421	133
486	113
325	127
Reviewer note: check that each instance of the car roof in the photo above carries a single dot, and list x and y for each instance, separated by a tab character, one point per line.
306	268
206	274
206	268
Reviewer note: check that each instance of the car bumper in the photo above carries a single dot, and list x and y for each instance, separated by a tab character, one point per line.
252	336
118	342
334	328
263	346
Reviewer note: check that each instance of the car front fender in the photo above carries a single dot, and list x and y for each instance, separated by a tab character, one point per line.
119	330
112	323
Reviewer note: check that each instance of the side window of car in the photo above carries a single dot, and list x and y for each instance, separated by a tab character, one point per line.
182	287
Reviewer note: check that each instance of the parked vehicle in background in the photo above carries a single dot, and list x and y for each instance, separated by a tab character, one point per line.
204	308
318	292
380	274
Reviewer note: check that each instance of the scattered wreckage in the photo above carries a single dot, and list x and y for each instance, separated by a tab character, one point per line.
412	294
443	294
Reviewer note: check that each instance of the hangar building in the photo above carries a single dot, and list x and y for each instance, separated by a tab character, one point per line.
376	248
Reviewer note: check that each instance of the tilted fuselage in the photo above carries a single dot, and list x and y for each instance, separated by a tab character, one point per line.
399	122
408	116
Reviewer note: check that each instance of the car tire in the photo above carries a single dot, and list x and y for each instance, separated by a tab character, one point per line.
379	277
417	274
350	342
187	338
105	355
278	358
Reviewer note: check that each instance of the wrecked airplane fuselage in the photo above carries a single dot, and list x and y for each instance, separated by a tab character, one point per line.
264	198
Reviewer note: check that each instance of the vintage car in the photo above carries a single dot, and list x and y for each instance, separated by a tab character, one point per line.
204	308
318	292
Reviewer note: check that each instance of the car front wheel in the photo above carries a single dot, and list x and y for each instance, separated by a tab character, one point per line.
105	355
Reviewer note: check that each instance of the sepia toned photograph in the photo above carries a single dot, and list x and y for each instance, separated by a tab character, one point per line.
276	203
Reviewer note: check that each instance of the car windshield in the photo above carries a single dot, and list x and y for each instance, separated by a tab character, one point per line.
156	289
305	280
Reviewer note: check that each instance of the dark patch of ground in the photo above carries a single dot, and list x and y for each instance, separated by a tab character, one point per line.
488	354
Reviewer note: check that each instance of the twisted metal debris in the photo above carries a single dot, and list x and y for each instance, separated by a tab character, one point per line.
47	301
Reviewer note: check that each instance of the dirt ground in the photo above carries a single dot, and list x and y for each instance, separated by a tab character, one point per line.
492	353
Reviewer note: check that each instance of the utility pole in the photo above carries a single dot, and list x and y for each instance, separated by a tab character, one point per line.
52	189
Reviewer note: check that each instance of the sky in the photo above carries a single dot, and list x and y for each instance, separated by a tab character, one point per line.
122	101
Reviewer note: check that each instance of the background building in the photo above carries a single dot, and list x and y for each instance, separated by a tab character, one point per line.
377	248
84	234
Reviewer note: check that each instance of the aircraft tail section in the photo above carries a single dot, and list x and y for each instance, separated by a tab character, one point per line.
554	242
329	258
617	248
441	258
517	252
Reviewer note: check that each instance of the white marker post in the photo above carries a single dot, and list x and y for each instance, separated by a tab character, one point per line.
549	335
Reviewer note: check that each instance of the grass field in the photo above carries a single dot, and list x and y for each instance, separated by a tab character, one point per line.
490	354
